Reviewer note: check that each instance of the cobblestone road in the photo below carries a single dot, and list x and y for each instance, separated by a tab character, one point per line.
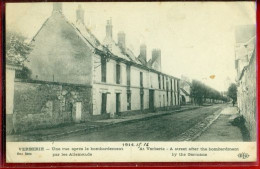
175	127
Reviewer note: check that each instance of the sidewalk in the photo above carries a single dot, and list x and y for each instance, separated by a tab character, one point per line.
222	129
51	133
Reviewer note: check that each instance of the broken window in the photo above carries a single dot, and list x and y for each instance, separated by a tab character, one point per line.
163	82
141	79
159	81
128	74
118	73
103	70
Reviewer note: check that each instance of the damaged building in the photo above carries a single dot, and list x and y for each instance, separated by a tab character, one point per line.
76	78
245	64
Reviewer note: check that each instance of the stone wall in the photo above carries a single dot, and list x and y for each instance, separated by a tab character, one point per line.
39	104
247	96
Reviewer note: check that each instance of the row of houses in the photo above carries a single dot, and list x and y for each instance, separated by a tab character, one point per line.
76	78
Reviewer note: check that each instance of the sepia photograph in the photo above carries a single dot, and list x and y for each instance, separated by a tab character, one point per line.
131	74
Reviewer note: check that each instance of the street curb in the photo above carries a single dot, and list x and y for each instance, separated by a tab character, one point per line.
94	128
204	129
196	130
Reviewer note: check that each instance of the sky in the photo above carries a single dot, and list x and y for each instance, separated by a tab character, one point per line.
196	39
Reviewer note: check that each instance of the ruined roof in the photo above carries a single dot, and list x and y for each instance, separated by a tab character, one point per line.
150	62
243	33
114	48
184	91
142	60
252	59
90	39
131	55
184	82
86	33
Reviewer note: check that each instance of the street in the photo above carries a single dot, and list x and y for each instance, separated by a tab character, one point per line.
163	128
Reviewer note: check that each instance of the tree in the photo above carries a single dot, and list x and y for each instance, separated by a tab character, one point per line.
17	49
24	73
197	92
201	92
232	92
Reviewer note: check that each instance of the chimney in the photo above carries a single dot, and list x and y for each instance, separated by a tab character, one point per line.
80	15
143	52
57	7
156	58
109	33
121	40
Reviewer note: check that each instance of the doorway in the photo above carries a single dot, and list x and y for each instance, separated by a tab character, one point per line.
183	100
104	103
142	102
117	103
151	100
78	112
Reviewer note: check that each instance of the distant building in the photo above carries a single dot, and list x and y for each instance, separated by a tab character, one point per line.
245	64
76	78
185	89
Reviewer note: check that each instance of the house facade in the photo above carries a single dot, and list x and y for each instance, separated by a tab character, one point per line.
87	79
126	83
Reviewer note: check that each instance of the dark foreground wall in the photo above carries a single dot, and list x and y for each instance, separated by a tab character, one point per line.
39	104
247	97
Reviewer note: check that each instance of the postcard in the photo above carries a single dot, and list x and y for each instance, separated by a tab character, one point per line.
130	82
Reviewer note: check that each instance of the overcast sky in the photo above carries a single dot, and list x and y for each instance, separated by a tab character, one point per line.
196	38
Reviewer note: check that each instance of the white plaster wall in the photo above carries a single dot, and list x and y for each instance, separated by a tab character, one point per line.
135	96
175	85
150	81
145	79
111	68
97	68
157	98
123	73
146	98
111	98
135	77
154	80
173	98
10	75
